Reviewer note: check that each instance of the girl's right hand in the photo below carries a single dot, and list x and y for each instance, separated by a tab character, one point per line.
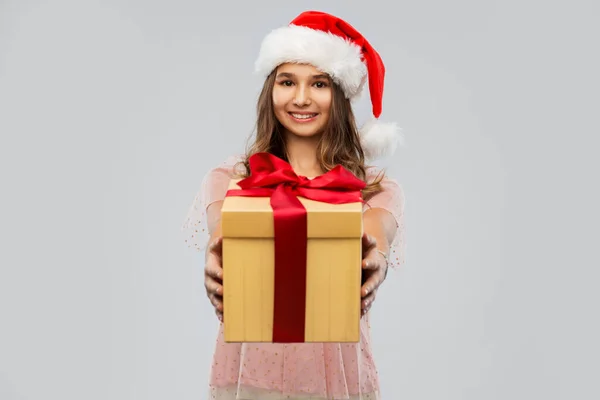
213	275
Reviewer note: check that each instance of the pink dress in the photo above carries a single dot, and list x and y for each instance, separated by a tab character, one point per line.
273	371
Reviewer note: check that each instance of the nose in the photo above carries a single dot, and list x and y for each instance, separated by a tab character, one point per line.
302	96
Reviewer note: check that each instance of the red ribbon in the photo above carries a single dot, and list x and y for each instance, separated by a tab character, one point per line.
274	177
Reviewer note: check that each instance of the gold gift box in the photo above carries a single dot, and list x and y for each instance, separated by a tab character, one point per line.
333	271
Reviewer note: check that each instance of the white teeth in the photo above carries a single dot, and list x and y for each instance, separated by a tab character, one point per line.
303	116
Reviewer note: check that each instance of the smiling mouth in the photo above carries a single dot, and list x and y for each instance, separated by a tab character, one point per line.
303	117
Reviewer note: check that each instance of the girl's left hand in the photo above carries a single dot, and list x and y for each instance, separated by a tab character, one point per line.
374	267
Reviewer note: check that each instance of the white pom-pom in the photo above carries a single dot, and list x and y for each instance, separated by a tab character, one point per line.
379	139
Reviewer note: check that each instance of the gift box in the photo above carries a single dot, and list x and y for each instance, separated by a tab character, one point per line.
295	281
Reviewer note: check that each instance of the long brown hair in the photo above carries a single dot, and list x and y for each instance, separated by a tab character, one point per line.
339	144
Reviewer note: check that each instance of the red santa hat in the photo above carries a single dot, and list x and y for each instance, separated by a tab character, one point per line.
333	46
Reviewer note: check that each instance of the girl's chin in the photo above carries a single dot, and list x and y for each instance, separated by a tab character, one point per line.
308	132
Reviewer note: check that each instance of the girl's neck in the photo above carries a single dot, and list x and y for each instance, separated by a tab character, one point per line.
302	155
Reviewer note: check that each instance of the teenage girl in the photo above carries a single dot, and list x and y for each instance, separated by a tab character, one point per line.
314	68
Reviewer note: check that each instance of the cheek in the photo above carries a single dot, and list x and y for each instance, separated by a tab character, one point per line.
279	98
325	102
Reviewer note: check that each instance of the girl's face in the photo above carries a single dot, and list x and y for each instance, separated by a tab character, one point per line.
302	98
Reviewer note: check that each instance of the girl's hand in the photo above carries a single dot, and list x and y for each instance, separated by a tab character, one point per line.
213	275
374	267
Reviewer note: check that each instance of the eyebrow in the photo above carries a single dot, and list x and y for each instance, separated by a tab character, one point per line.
290	75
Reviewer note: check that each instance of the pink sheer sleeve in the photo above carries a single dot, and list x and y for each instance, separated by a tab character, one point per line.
391	199
212	189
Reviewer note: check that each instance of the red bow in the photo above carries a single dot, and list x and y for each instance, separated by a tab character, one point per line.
272	176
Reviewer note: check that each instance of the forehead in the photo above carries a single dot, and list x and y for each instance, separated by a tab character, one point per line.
301	70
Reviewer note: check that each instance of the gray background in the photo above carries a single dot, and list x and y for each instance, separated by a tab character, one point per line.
106	113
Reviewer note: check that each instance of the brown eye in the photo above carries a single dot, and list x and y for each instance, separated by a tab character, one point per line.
321	85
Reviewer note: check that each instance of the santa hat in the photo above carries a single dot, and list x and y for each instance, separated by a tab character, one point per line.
333	46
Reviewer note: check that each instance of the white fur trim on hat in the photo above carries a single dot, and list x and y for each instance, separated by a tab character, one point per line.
379	139
339	58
